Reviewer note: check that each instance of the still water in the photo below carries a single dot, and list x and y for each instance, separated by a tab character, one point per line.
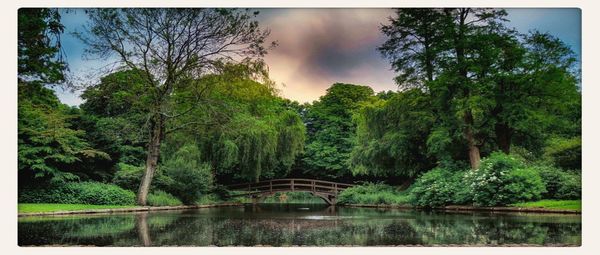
301	225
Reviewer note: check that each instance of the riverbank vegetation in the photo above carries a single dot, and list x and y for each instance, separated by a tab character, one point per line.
39	207
484	115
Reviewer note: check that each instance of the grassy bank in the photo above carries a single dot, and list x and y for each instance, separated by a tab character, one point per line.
34	208
552	204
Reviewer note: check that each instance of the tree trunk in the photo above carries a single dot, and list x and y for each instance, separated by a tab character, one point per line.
474	155
151	160
503	137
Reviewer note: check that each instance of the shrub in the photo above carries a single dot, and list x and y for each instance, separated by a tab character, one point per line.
207	199
94	193
161	198
439	187
129	176
372	194
192	177
570	188
503	180
564	153
560	184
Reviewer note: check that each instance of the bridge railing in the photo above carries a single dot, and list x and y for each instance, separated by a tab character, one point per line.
277	185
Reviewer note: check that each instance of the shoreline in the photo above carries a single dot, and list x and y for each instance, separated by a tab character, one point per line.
384	206
126	210
472	208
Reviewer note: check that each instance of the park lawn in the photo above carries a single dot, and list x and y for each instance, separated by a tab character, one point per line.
574	205
34	208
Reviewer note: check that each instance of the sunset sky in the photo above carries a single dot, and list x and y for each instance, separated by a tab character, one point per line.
318	47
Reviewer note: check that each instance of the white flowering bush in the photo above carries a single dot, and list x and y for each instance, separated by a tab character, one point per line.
500	180
503	180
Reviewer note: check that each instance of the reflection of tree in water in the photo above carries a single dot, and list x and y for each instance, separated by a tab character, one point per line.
480	229
343	226
143	230
78	230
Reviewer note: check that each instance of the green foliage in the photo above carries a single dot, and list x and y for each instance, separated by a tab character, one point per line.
256	134
161	198
560	184
40	60
207	199
564	153
331	132
439	187
36	208
48	146
128	177
489	86
93	193
391	136
372	194
503	180
191	177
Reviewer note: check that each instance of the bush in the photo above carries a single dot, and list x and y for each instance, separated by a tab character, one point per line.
500	180
564	153
192	178
372	194
439	187
207	199
93	193
161	198
503	180
560	184
129	177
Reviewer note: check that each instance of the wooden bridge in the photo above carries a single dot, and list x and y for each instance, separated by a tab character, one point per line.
325	190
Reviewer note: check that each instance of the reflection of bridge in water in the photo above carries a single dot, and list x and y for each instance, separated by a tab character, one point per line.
328	191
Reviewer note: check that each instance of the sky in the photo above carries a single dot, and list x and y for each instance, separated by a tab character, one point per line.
319	47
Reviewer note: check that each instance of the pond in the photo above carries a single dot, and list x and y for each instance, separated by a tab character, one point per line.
301	225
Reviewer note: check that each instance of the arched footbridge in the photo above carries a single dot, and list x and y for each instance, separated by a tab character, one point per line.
328	191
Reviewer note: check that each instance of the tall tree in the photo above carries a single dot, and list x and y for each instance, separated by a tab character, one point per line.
413	44
331	131
172	48
534	90
447	59
392	135
48	143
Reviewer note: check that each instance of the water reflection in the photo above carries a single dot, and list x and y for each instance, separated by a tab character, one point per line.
310	225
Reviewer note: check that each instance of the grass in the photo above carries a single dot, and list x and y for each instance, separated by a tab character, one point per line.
34	208
552	204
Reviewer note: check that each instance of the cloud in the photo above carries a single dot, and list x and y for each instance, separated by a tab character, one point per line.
318	47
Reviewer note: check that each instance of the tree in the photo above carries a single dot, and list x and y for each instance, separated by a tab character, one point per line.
331	132
413	45
254	133
172	48
48	143
392	135
447	53
40	59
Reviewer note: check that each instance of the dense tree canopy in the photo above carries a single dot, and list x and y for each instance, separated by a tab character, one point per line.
192	108
331	132
490	87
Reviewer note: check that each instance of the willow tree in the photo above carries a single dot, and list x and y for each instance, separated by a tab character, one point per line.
172	48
